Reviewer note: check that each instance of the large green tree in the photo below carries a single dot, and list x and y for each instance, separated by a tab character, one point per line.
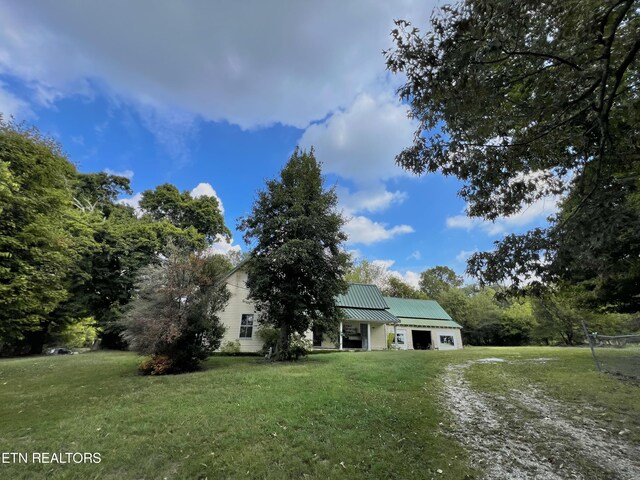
437	280
297	266
126	242
37	234
527	99
183	210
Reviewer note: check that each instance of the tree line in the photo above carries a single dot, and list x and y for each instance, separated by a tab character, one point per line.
70	253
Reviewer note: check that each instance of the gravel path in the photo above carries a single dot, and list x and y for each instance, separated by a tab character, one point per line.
528	435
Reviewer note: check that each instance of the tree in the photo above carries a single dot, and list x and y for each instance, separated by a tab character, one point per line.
99	191
125	245
184	211
560	312
482	318
524	100
174	314
37	235
437	280
297	266
518	322
373	273
560	315
399	289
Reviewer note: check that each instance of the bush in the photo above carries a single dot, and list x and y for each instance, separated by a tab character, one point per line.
269	335
185	331
156	365
298	347
231	348
390	341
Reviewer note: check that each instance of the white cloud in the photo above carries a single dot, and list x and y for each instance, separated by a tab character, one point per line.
412	278
120	173
538	210
385	264
12	106
372	200
464	254
206	190
361	229
361	143
133	202
461	221
251	63
408	276
222	246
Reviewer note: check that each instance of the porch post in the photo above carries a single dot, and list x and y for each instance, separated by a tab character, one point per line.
395	336
340	335
368	336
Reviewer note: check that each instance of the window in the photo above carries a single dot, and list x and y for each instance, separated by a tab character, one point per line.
246	325
400	338
446	340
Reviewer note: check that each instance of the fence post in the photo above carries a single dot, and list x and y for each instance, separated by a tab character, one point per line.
590	339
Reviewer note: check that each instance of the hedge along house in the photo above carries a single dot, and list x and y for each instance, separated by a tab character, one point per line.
424	325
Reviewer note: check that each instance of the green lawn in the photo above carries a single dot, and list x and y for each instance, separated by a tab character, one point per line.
341	415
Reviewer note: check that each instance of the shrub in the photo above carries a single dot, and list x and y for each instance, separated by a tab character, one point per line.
156	365
298	347
269	335
231	348
174	314
390	341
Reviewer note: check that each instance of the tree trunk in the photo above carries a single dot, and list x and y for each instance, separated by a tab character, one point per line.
282	349
38	338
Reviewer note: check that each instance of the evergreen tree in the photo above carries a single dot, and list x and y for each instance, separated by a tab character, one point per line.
297	267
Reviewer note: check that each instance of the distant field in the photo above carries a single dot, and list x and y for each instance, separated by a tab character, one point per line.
342	415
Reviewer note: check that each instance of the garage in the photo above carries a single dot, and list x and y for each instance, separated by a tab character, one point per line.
424	325
421	339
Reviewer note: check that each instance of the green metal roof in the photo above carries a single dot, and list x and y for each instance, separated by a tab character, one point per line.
409	308
360	295
368	315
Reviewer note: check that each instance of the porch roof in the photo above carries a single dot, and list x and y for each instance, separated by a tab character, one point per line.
368	315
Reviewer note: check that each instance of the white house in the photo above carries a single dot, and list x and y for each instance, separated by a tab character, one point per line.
370	321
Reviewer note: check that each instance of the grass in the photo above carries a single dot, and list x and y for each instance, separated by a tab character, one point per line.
342	415
570	376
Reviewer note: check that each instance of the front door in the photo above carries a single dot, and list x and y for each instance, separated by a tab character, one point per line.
364	334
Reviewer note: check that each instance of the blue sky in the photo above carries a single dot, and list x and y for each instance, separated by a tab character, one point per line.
214	96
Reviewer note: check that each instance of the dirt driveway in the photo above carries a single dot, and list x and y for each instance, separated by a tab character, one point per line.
528	435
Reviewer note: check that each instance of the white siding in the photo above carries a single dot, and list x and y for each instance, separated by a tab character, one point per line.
232	314
453	332
435	336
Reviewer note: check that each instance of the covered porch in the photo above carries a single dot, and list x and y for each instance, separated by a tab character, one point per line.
364	329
